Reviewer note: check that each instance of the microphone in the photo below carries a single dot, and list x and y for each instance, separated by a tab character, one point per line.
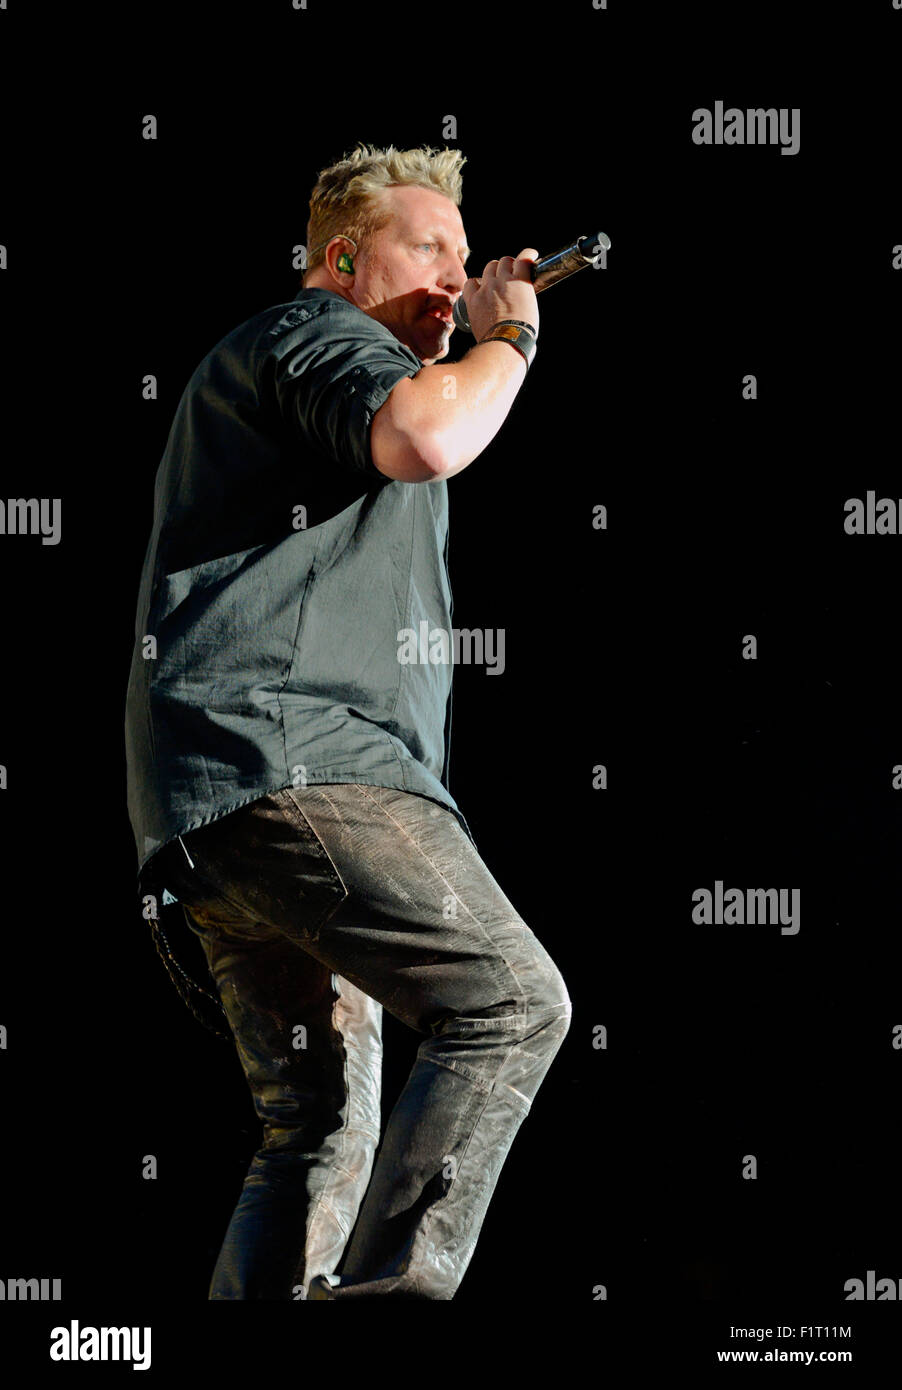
586	250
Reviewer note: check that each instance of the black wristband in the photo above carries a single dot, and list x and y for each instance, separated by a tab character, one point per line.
520	324
519	337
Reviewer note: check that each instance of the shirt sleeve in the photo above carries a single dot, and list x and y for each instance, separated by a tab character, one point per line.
333	367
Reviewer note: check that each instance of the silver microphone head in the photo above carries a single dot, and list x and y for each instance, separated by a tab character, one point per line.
599	252
460	316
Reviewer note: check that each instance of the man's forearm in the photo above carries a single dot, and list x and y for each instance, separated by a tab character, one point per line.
449	412
484	385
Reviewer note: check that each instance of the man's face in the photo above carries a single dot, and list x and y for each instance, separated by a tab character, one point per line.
412	271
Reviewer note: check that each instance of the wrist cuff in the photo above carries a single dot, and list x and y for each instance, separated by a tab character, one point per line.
520	336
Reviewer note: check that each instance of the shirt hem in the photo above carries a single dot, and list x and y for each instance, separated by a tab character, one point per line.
313	779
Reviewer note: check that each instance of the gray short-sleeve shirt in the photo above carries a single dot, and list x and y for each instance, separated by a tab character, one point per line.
281	572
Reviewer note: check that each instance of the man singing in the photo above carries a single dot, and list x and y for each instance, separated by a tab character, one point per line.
287	771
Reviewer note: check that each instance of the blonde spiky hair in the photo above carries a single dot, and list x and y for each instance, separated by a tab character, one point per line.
346	198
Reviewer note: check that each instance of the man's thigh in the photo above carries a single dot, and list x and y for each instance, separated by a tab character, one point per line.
309	1042
385	888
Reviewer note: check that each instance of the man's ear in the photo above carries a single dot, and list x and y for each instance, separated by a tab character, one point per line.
338	259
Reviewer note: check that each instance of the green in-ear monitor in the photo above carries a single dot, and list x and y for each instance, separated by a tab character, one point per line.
344	261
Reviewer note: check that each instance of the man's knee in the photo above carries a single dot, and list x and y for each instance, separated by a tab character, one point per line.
544	1006
554	1008
548	995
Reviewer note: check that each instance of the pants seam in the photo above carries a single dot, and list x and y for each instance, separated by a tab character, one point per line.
425	1229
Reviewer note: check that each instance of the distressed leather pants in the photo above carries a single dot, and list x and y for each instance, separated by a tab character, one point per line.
316	908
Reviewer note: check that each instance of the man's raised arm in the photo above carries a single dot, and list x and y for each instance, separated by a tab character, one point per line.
418	435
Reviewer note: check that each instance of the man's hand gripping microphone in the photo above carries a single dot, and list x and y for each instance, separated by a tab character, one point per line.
585	251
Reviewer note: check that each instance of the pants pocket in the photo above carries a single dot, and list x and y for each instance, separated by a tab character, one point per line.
262	863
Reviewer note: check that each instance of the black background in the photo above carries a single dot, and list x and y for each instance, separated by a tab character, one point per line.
623	647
